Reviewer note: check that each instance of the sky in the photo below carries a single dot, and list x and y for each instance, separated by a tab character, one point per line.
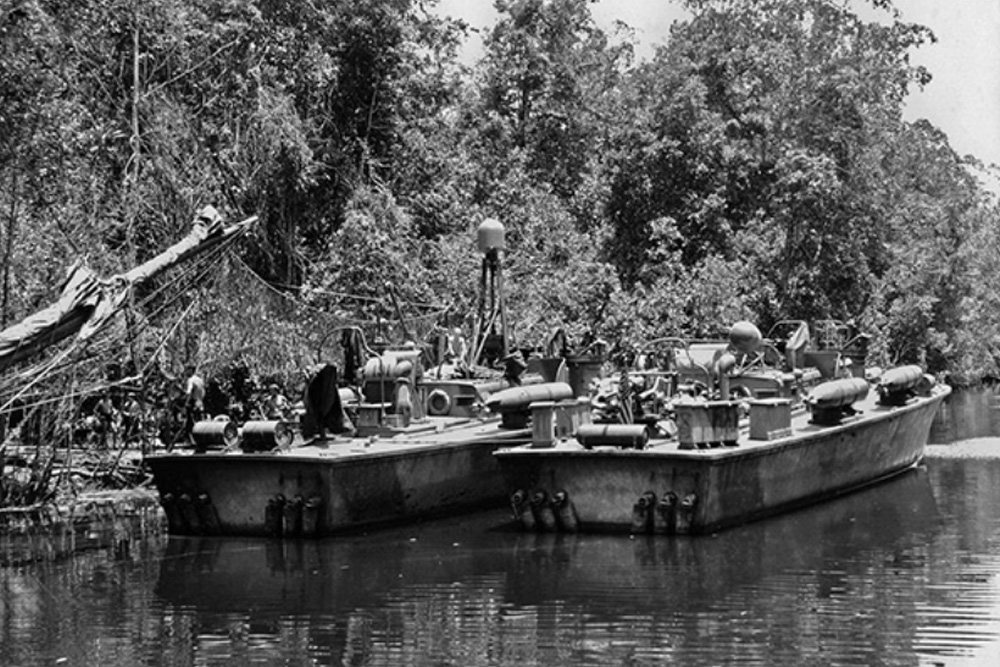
963	99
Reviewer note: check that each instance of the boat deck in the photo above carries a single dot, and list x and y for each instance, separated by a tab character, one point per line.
433	433
802	428
438	433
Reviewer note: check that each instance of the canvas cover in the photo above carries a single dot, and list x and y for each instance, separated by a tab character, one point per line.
87	303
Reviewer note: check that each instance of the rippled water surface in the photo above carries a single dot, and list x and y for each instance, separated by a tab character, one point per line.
905	573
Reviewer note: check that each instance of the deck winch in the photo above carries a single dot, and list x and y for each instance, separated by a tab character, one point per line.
214	434
389	386
263	436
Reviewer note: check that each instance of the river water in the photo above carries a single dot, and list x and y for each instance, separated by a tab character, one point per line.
904	573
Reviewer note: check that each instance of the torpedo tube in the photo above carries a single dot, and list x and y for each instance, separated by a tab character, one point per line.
519	398
514	404
830	401
897	385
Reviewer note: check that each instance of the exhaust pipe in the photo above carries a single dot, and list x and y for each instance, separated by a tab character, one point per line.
310	516
642	513
565	512
207	514
521	507
685	513
665	517
175	520
272	515
292	517
190	514
544	516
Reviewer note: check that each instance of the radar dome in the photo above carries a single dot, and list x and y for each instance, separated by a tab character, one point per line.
490	235
745	337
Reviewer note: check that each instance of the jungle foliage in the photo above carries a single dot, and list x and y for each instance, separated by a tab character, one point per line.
758	166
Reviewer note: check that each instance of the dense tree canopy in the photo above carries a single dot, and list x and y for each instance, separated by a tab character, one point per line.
758	166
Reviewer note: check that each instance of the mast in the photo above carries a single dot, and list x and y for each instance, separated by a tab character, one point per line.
491	335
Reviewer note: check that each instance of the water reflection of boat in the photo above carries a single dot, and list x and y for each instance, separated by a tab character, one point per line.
305	578
827	542
426	593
